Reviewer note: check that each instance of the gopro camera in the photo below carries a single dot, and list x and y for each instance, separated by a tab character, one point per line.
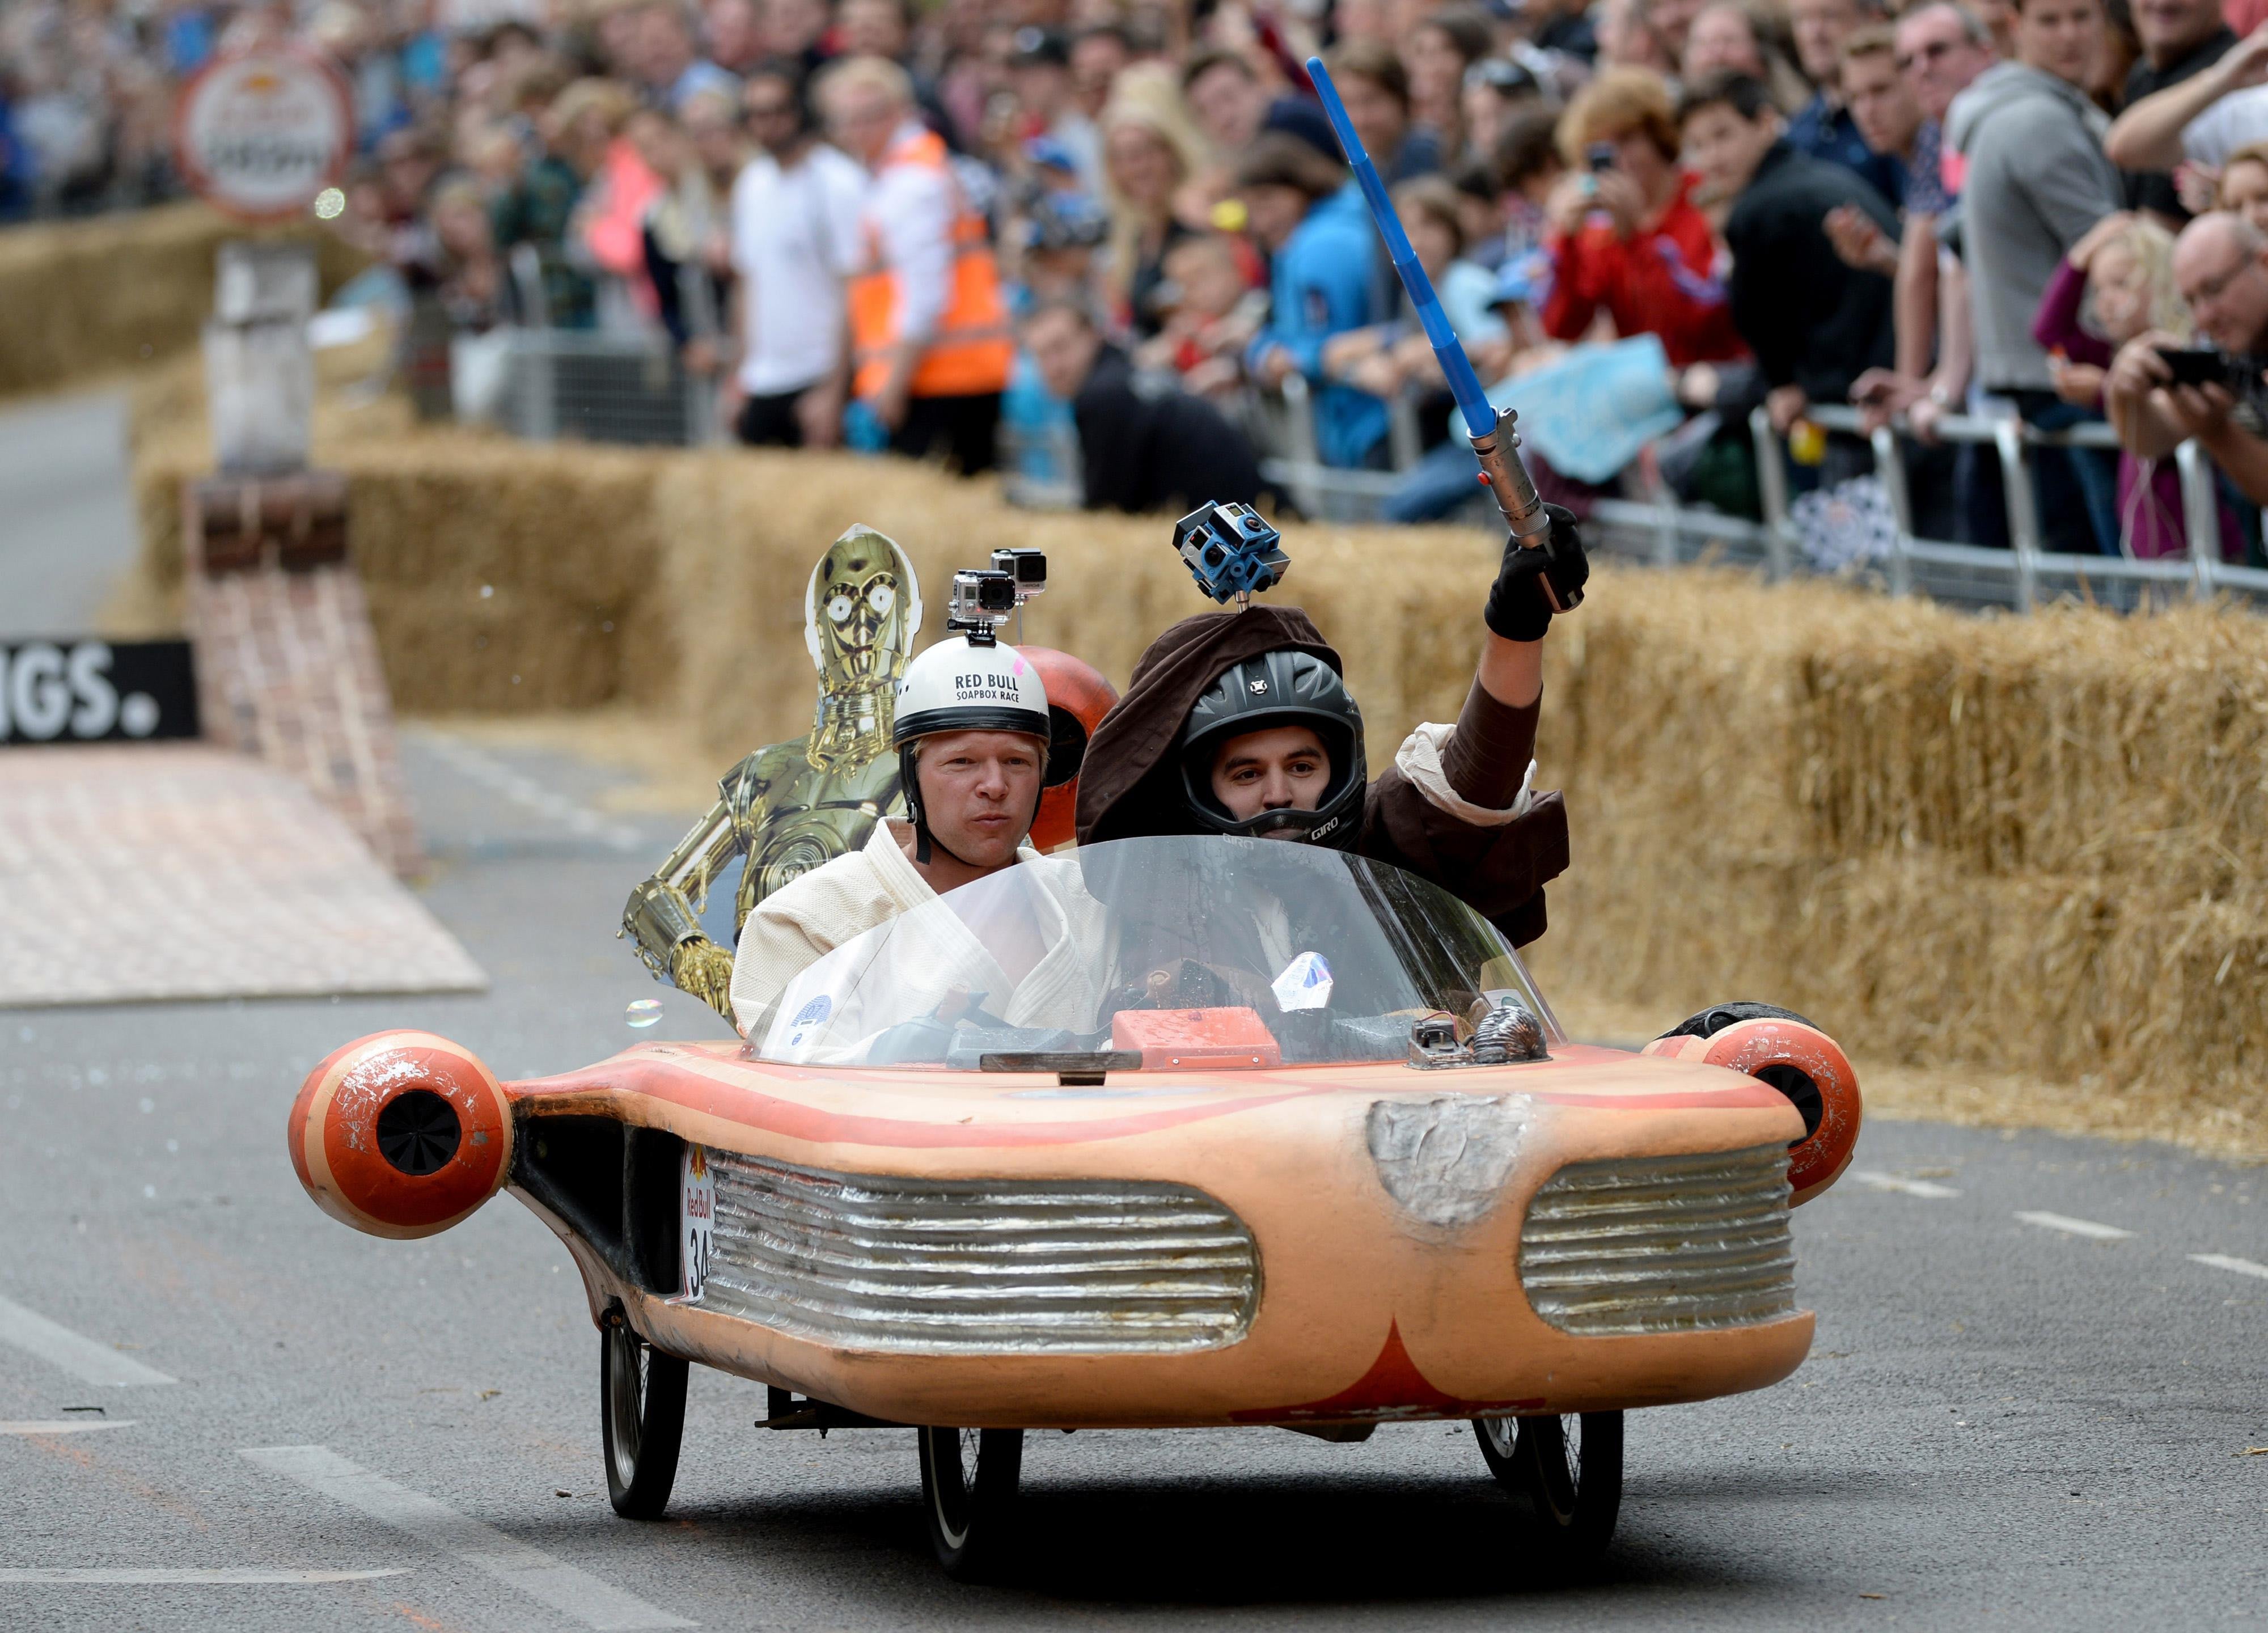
1231	550
981	601
1028	568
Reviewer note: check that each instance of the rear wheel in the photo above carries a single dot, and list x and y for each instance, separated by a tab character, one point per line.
969	1493
641	1419
1569	1470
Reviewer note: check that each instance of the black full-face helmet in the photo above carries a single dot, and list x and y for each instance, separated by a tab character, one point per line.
1282	688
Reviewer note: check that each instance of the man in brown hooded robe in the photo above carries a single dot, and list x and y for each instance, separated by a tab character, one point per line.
1225	696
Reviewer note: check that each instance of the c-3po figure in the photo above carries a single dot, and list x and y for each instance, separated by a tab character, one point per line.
787	809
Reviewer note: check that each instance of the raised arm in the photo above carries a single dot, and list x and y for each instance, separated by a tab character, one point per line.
2148	134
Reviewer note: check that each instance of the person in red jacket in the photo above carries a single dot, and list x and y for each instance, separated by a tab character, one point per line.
1623	234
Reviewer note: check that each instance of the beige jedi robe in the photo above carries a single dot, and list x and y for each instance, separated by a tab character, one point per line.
931	949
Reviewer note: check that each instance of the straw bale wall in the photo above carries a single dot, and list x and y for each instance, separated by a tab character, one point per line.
82	298
2032	846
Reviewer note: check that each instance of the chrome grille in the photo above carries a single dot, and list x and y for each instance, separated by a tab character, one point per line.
1662	1244
977	1267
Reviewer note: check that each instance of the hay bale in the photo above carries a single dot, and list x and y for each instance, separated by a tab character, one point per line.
115	291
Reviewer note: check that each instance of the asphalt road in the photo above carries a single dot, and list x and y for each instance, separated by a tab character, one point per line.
66	511
220	1409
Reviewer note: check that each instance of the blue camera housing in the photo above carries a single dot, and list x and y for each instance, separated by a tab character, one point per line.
1231	550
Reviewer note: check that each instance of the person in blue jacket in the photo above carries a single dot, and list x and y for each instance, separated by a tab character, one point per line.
1322	250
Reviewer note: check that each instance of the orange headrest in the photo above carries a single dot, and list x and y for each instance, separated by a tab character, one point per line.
1077	698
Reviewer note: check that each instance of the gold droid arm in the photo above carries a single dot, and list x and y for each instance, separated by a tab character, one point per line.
662	916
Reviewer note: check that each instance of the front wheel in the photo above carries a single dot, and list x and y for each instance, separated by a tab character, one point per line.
641	1419
969	1493
1569	1469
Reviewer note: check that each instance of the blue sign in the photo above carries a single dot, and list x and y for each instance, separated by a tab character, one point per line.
1589	413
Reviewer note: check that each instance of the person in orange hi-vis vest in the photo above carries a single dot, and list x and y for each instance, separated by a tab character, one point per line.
931	346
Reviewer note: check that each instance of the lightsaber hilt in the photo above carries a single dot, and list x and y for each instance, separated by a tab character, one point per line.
1498	446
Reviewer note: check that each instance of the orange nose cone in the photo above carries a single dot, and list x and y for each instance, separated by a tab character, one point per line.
1751	1047
400	1134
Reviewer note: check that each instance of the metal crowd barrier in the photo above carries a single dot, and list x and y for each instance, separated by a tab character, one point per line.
2025	573
1647	524
600	387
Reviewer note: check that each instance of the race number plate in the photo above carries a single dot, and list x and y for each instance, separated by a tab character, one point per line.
697	1221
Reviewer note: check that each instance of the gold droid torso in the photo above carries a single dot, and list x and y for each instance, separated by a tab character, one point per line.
793	806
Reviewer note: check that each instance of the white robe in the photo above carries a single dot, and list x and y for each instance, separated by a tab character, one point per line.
788	943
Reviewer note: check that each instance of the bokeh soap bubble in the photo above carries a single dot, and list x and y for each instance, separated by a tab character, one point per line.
643	1012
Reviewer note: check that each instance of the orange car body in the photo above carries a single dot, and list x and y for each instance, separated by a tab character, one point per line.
1302	1246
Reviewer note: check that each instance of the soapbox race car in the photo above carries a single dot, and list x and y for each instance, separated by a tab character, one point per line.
1158	1133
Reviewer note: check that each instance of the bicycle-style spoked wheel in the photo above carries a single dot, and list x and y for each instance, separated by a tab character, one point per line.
641	1419
1569	1468
968	1492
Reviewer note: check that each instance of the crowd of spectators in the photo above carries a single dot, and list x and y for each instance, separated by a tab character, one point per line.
1124	225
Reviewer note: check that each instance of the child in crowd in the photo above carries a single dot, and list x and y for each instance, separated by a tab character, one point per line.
1208	307
2120	275
1384	357
2243	185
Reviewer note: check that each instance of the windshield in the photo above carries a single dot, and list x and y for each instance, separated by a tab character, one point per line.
1197	952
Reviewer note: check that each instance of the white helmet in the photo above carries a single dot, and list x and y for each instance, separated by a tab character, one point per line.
960	685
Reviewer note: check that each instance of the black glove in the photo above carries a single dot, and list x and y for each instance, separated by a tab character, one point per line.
1518	608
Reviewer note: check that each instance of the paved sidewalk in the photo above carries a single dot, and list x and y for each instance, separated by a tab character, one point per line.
160	871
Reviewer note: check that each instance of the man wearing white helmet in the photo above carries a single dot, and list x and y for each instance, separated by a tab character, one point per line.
971	732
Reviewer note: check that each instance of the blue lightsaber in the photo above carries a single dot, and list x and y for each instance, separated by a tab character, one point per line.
1497	446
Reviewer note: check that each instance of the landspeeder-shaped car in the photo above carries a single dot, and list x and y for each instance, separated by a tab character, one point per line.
1163	1133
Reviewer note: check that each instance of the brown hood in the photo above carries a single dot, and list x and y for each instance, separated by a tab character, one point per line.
1130	786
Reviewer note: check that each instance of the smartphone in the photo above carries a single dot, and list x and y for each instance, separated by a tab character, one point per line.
1599	155
2196	365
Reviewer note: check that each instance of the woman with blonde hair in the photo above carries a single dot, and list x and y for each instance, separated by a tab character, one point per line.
1148	158
2117	284
2243	188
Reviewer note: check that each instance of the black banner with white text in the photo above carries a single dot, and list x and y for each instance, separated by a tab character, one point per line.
88	691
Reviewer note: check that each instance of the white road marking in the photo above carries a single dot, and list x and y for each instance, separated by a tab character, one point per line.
194	1576
62	1425
84	1359
2065	1223
486	768
1912	1188
573	1592
2223	1262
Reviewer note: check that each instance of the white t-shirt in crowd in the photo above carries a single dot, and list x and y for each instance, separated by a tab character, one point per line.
2238	120
795	239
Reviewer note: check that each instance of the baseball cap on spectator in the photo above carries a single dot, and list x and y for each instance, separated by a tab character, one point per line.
1064	221
1050	154
1506	77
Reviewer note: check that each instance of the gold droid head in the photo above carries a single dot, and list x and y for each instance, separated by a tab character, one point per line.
861	613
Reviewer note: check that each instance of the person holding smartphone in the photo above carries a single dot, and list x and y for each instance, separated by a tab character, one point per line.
2156	393
1622	229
